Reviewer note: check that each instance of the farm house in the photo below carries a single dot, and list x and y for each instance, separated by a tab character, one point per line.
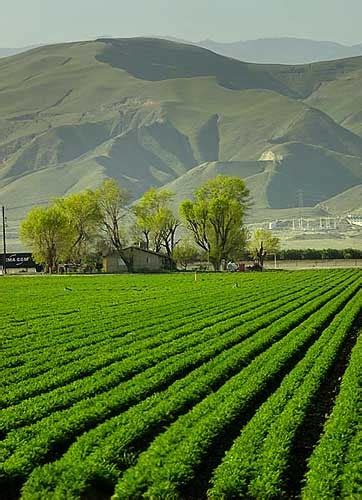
141	260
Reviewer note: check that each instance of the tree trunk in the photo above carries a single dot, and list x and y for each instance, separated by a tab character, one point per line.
147	238
216	263
126	260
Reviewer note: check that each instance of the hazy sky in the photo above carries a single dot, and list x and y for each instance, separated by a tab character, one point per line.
24	22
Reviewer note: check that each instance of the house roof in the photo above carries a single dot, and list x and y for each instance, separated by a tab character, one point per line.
139	249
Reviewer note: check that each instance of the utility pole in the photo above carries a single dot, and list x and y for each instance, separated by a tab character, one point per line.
4	239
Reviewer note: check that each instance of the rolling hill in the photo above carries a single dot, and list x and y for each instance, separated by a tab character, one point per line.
283	50
156	112
348	202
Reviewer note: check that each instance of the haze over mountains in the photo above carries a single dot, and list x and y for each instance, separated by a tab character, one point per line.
264	50
283	50
7	52
156	112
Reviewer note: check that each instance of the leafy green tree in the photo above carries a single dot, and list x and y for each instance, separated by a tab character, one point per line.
216	217
155	220
46	231
261	243
84	216
113	203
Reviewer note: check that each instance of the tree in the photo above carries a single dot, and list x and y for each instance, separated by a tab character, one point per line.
168	225
46	231
216	217
156	221
84	216
186	253
261	243
112	202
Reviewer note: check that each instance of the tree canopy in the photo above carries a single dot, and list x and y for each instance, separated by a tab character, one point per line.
70	229
83	215
216	217
155	220
261	243
47	232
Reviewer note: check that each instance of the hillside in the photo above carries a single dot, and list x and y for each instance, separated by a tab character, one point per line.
348	202
148	112
282	175
283	50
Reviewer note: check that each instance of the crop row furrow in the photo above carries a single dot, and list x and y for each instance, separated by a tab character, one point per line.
256	462
101	342
165	308
235	305
171	461
108	442
333	466
59	376
83	328
33	409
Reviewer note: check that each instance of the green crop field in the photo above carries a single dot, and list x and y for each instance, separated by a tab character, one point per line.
163	387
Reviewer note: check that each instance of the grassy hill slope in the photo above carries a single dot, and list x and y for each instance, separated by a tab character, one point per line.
288	175
148	112
350	201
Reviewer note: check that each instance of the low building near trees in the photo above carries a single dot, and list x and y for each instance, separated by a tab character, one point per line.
141	261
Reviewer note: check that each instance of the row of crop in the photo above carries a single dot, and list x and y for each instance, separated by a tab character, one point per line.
42	340
61	312
110	376
99	338
159	335
159	300
334	466
61	375
108	323
86	304
351	479
126	332
172	460
31	410
104	406
97	452
103	325
56	301
256	464
63	307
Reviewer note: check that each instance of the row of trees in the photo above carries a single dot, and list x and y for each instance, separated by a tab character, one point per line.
315	254
209	227
73	228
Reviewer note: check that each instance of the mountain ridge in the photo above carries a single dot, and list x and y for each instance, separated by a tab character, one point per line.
271	50
149	111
